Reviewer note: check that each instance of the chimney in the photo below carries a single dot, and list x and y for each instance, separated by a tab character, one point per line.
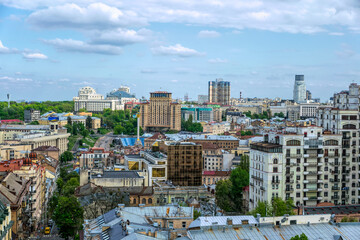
229	221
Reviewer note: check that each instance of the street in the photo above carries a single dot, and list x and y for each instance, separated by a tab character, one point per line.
105	141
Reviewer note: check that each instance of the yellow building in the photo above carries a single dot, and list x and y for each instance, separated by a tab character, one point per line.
160	113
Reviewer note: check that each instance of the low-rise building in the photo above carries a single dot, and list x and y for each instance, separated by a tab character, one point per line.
14	191
212	177
94	158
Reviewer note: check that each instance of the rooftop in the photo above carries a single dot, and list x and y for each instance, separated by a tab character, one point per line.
117	174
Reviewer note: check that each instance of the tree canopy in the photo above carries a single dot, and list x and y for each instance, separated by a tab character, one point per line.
277	207
66	156
300	237
191	126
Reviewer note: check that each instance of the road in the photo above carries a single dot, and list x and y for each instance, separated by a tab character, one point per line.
104	141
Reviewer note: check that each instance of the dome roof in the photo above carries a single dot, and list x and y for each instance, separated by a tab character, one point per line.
33	155
27	161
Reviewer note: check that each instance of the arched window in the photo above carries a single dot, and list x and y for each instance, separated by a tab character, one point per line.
275	161
143	201
150	201
293	143
349	126
134	201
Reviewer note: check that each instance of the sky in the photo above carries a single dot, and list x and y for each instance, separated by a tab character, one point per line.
51	48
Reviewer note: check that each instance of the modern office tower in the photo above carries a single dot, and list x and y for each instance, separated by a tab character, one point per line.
160	113
184	162
299	89
198	114
31	115
202	99
305	165
219	91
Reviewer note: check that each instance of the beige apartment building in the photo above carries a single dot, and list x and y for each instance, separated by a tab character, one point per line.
305	165
160	113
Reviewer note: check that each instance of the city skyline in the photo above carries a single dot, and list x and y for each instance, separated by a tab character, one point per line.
257	46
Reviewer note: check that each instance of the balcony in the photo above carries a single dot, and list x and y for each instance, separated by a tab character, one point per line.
334	197
320	155
293	155
319	172
292	181
288	190
320	163
347	163
334	180
289	173
334	188
313	198
319	189
335	171
256	178
306	181
320	181
319	198
262	188
310	164
305	198
334	163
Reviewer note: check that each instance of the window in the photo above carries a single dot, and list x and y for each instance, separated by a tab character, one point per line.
297	194
331	143
298	177
325	185
171	224
297	186
275	169
183	224
325	194
275	161
293	143
143	201
150	201
134	201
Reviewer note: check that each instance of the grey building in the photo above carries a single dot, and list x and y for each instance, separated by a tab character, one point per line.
31	115
219	92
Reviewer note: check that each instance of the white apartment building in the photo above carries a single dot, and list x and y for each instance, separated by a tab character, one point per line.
93	102
302	164
308	110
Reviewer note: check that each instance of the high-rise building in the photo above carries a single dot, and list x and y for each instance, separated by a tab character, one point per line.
305	165
308	95
299	89
219	91
160	113
185	162
202	99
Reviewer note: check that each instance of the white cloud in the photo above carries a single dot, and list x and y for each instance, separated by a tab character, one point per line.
345	52
217	60
93	16
336	34
16	80
6	50
34	56
177	50
71	45
120	36
208	34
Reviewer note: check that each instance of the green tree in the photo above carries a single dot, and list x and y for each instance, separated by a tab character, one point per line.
70	186
245	163
223	195
85	133
66	156
34	123
262	208
60	184
300	237
281	207
69	120
69	128
68	216
88	122
196	214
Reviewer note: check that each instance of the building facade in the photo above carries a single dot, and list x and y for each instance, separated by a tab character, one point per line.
305	165
91	101
299	89
219	92
160	113
185	163
31	115
198	114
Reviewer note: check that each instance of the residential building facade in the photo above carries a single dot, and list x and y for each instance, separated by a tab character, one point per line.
219	92
160	113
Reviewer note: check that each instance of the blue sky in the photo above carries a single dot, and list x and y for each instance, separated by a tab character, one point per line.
49	49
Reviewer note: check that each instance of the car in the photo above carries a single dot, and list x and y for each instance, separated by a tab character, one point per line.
47	230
